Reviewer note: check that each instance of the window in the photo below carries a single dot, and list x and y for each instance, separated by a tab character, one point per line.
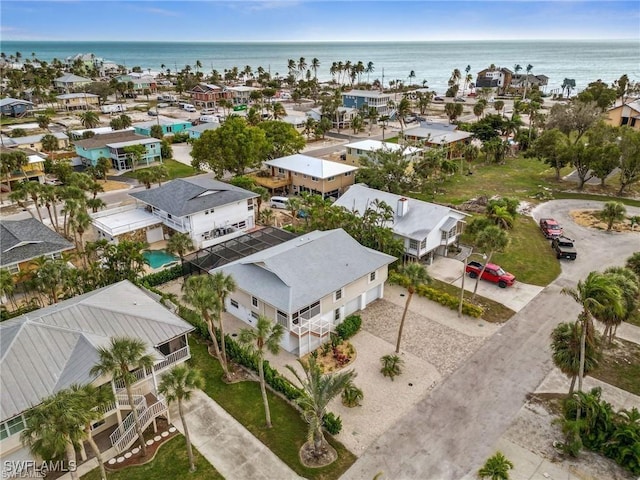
281	170
13	268
348	174
250	204
372	276
11	427
337	295
233	303
331	179
283	318
413	245
97	424
336	314
254	315
314	179
254	302
306	313
423	244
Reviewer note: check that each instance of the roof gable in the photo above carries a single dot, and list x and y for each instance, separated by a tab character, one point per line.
23	240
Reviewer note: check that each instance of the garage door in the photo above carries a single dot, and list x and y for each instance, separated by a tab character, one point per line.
351	306
373	294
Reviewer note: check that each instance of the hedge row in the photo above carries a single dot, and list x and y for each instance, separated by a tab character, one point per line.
163	276
242	355
449	300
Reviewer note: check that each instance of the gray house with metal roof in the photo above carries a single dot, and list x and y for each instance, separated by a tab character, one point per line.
308	285
210	211
426	229
24	240
15	107
50	349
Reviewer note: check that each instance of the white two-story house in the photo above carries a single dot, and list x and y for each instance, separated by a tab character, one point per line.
51	349
208	210
426	229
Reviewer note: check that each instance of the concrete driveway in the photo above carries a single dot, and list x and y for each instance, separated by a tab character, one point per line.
515	297
450	433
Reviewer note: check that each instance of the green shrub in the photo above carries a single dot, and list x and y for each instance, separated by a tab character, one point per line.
352	395
349	327
448	300
332	424
391	366
163	276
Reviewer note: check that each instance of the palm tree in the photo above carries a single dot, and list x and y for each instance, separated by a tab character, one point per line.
90	401
409	276
492	239
116	361
315	65
267	335
7	286
629	284
318	390
179	243
53	428
199	291
496	468
526	83
89	119
223	285
612	212
565	350
177	386
595	294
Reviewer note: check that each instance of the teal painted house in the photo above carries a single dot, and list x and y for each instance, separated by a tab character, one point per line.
197	131
169	126
112	146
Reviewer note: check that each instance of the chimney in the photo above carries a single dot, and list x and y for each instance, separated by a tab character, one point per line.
403	207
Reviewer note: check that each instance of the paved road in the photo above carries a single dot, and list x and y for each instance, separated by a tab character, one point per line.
450	433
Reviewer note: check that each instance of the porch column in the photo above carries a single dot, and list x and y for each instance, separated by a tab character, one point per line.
382	290
155	381
363	301
118	414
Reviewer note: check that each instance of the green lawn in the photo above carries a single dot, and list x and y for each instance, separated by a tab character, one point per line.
620	366
175	169
170	462
244	402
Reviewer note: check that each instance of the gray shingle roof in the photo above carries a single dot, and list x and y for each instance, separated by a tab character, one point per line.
420	219
301	271
185	196
100	141
23	240
48	350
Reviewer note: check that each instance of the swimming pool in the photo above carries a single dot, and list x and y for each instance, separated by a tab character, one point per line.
158	258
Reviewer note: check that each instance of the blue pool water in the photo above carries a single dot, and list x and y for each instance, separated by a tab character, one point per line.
158	258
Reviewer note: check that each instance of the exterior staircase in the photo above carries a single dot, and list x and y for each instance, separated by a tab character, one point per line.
125	435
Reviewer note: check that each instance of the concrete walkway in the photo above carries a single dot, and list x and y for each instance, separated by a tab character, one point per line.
226	444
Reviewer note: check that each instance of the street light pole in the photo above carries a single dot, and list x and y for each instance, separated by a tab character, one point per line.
464	274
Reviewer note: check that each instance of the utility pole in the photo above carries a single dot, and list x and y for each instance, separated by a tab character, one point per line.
464	274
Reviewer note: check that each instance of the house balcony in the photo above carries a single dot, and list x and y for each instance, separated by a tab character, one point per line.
179	224
272	182
316	326
143	374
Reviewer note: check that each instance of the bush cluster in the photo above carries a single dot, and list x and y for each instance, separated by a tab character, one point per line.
163	276
349	327
614	434
448	300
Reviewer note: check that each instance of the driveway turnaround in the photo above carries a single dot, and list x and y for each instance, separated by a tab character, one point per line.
226	444
451	432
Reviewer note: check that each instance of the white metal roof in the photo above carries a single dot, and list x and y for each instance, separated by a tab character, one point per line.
123	220
375	145
314	167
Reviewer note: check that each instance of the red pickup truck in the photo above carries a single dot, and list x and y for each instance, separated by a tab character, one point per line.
493	273
550	228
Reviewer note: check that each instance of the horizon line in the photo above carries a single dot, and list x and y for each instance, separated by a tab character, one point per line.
330	41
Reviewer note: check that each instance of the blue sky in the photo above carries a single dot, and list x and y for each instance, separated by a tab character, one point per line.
304	20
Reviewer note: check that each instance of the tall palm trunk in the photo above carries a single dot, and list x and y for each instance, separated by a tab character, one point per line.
96	451
136	419
404	316
71	460
214	340
263	390
223	347
573	384
192	466
318	438
36	204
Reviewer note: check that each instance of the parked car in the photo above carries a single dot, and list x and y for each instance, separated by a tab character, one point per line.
459	100
438	99
550	228
153	113
493	273
163	105
564	248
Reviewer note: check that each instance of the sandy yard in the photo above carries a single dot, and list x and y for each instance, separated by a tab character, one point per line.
589	218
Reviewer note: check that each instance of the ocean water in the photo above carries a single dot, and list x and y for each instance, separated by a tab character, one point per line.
433	62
